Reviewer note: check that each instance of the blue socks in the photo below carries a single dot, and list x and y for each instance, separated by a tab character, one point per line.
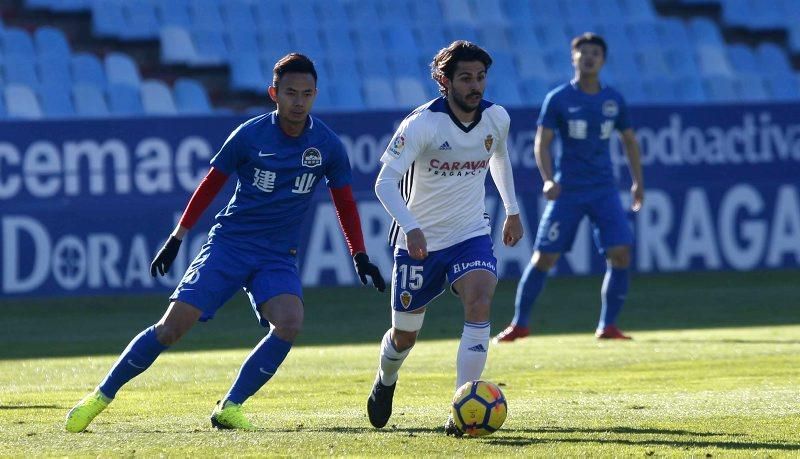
615	288
259	367
137	357
528	289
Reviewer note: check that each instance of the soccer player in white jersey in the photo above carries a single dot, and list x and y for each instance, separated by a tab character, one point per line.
439	156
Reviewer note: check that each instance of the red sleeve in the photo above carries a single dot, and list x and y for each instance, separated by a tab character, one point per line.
202	197
347	212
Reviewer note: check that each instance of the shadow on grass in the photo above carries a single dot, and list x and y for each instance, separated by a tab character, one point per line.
82	326
30	407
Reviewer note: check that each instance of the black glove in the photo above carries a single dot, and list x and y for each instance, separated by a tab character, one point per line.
365	268
165	256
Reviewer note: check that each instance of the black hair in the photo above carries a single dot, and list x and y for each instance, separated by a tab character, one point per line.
293	63
590	38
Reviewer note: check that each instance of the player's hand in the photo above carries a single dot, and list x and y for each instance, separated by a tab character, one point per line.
551	190
512	230
164	258
417	245
365	268
637	195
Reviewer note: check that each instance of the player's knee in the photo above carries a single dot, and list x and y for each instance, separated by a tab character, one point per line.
289	327
545	261
403	340
620	257
477	307
167	334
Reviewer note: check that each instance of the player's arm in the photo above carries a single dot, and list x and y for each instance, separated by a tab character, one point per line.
350	221
388	192
208	188
635	166
544	160
503	176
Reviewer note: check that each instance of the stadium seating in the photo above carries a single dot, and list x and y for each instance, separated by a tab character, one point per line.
375	54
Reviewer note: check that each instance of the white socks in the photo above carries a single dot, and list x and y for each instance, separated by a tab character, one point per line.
391	360
472	352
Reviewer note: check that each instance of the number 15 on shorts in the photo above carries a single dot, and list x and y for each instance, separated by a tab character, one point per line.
410	277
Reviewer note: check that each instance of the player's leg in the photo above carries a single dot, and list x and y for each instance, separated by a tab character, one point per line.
137	357
414	284
285	313
276	297
555	235
476	290
614	238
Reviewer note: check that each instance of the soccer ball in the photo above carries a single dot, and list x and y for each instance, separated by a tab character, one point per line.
479	408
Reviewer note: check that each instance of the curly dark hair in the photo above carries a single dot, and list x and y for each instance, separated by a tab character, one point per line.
444	62
292	63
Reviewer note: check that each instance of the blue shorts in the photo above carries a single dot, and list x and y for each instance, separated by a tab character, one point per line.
219	270
416	282
561	218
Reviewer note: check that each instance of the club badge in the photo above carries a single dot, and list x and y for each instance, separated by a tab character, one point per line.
610	108
312	158
487	143
405	299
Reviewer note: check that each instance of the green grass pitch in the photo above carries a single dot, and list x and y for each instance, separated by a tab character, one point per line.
714	370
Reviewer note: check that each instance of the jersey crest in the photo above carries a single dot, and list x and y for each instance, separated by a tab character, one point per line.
487	143
312	157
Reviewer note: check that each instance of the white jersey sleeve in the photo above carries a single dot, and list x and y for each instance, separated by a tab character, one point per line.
412	138
500	167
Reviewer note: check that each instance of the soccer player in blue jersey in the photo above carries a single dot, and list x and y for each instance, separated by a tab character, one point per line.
440	156
584	113
278	158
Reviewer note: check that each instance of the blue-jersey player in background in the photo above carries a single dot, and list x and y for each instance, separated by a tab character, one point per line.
278	158
584	113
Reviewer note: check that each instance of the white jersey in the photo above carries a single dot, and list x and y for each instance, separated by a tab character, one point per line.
444	164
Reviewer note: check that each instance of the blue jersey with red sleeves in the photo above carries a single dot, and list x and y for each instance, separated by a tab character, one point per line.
277	175
584	123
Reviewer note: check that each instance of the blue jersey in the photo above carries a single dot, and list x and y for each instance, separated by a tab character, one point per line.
584	123
277	175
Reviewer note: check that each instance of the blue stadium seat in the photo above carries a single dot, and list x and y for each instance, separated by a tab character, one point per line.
89	100
559	64
16	41
51	43
712	60
644	35
324	100
689	89
337	41
206	15
494	39
238	15
720	89
489	13
121	69
363	13
794	37
547	11
659	90
398	13
124	100
368	40
176	45
301	13
332	14
632	90
783	87
191	97
579	27
56	101
70	6
38	4
306	40
378	93
87	69
553	36
241	41
531	64
652	62
616	38
608	12
269	13
346	95
405	63
772	60
373	66
157	98
21	102
55	72
142	21
247	73
578	10
430	38
174	13
344	70
681	63
274	39
751	88
108	20
400	40
704	32
505	93
210	47
503	67
21	70
427	13
534	90
622	64
736	12
519	12
742	58
410	92
460	31
457	12
674	35
524	38
638	10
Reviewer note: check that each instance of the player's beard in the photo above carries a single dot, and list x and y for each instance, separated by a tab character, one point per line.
462	103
